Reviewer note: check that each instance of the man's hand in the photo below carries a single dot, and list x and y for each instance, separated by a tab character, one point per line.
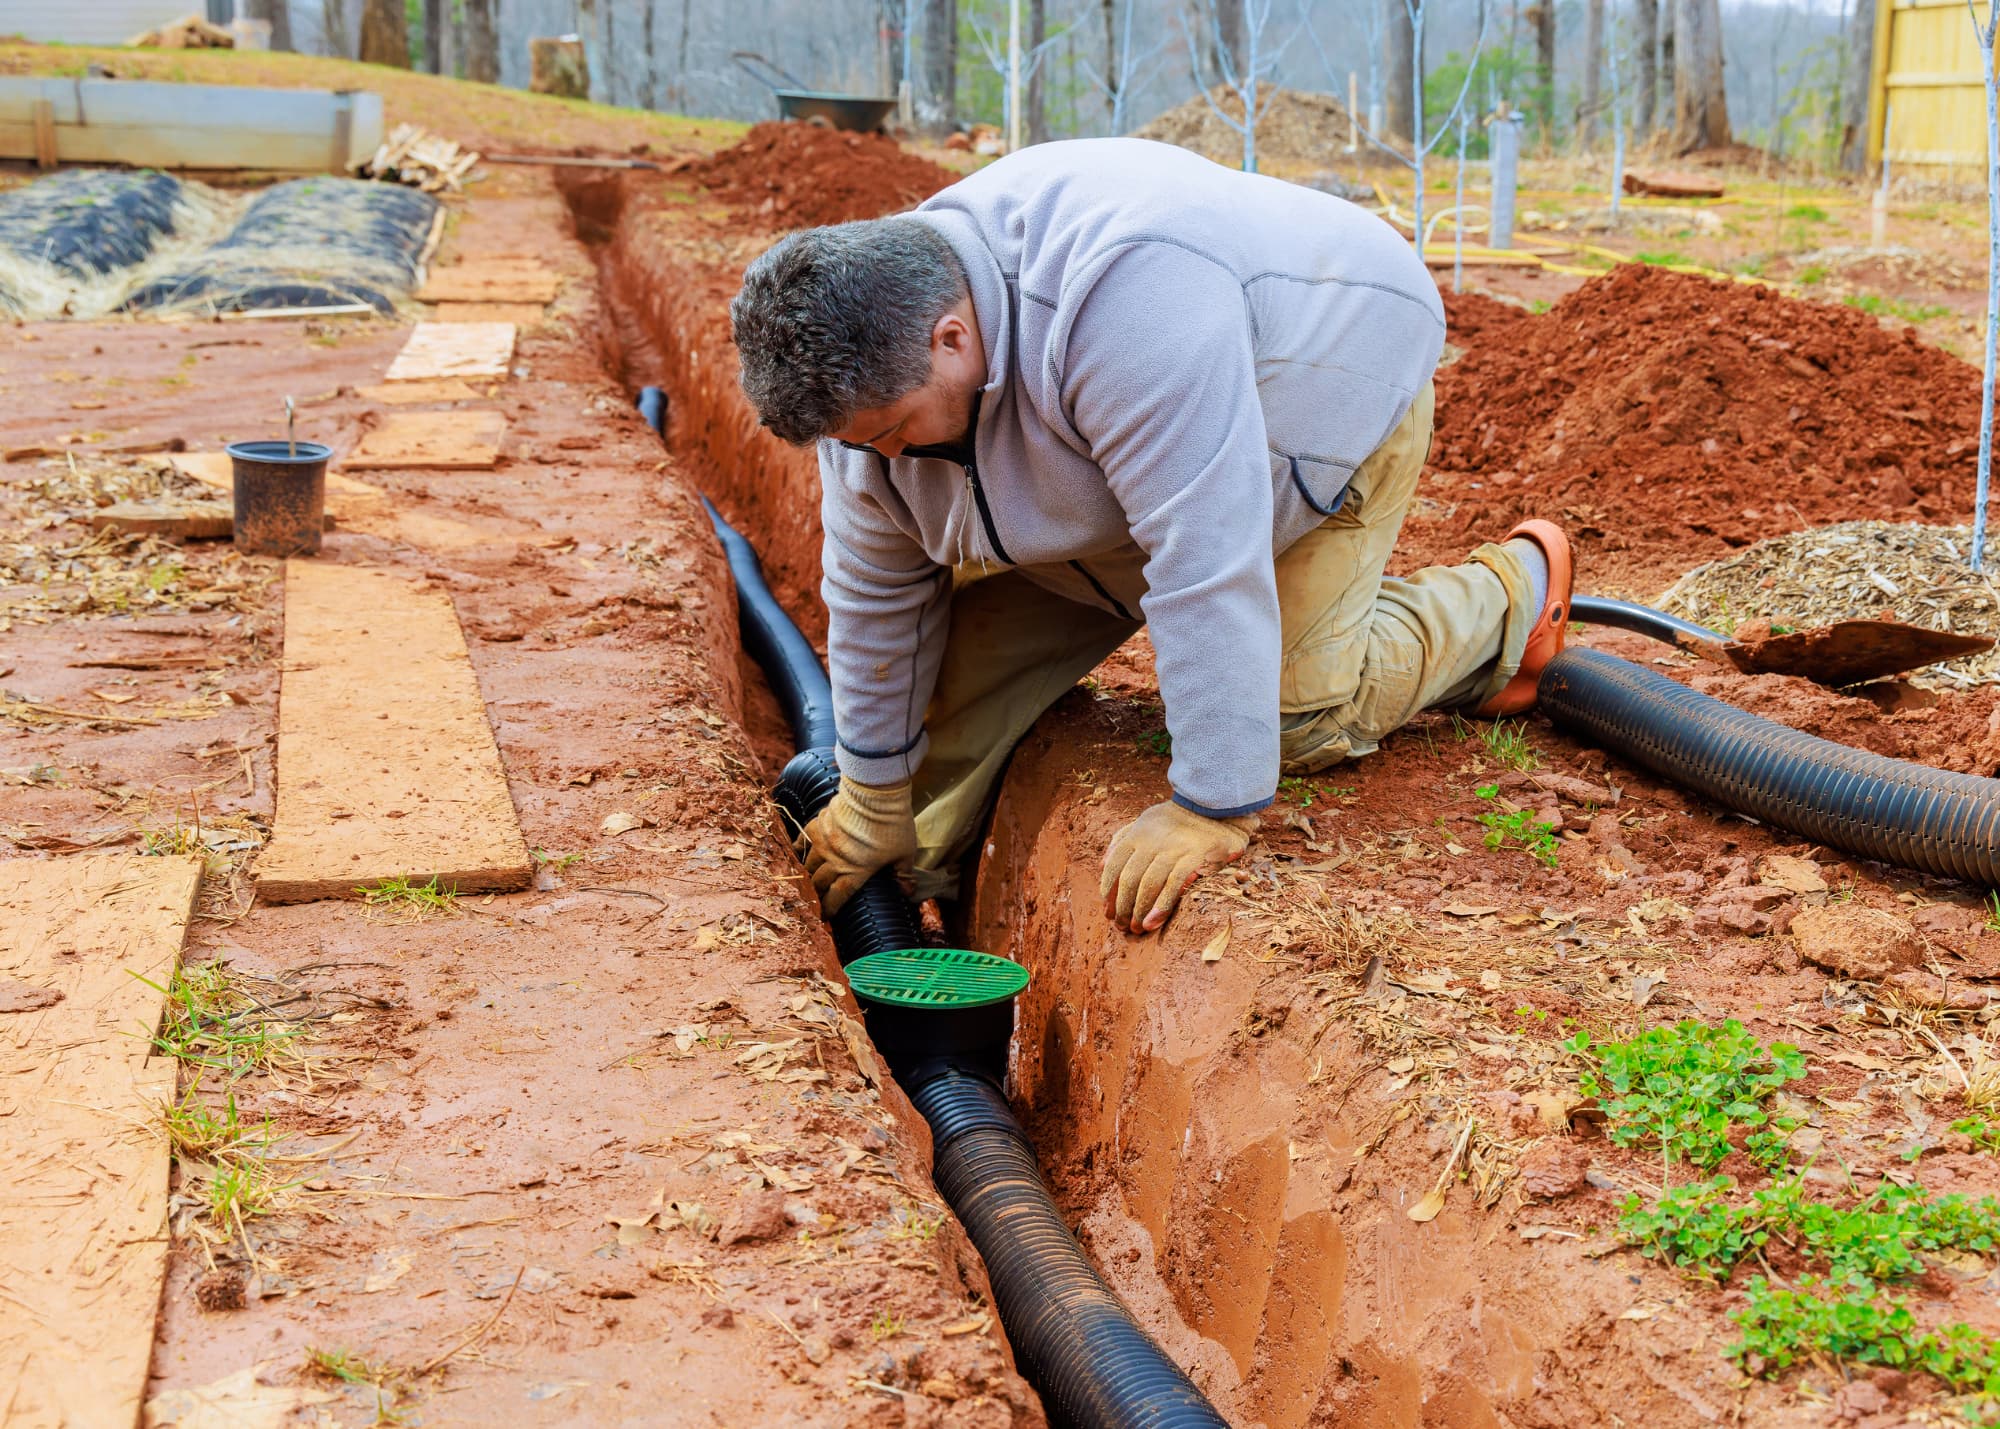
1153	859
862	828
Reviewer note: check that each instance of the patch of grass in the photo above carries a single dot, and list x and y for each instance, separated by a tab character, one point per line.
1877	306
1811	276
1155	741
1993	910
206	1132
1984	1133
1686	1087
1752	266
408	901
1806	213
886	1325
558	862
345	1366
211	1024
1665	258
1520	829
1538	306
240	1190
1506	742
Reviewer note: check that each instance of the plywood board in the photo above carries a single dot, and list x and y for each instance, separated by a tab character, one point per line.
386	764
428	389
455	350
83	1207
491	280
184	519
355	506
450	441
520	314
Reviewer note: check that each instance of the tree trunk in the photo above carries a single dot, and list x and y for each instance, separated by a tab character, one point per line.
1398	49
1645	84
433	36
1854	87
1225	40
482	42
333	26
1701	110
1663	64
279	13
1035	123
385	35
1593	67
646	94
937	98
1545	67
1107	11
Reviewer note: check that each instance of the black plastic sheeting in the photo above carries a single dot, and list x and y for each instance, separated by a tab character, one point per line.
308	243
1846	798
88	222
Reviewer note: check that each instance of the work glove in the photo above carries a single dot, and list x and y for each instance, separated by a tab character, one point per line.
862	828
1153	859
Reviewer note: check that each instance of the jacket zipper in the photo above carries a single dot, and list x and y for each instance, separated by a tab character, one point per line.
1098	586
986	512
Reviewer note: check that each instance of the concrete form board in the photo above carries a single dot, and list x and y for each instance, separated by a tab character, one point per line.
98	22
192	126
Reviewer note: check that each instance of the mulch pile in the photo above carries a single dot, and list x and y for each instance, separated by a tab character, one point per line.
792	175
1666	418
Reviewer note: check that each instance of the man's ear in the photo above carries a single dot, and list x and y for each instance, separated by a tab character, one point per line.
951	335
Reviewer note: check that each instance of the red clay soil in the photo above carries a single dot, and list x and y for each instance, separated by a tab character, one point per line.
1666	418
793	175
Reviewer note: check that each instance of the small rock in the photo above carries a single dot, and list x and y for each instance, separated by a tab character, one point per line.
756	1219
1555	1169
220	1290
816	1348
1929	990
18	996
718	1317
1947	919
1739	908
1856	942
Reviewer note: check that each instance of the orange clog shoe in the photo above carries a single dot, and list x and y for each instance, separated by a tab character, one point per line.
1551	628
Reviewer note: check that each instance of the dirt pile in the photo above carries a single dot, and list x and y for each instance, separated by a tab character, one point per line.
1300	131
789	175
1667	418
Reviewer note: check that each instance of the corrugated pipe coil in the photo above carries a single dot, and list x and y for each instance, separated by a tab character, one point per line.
1845	798
1077	1343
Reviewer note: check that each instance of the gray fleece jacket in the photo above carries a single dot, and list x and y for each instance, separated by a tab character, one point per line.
1185	364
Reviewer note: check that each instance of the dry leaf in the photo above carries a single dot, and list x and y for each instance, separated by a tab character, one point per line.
1644	985
1470	910
971	1326
115	697
1212	953
235	1401
394	1268
622	823
1537	1232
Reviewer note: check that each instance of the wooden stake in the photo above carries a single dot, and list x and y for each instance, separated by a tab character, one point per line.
45	134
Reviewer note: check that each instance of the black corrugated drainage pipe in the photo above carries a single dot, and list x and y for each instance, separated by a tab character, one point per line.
1846	798
1077	1343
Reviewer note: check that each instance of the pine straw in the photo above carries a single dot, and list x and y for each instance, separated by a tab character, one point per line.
34	289
1856	570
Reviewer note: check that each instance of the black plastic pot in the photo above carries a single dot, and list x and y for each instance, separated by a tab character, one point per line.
280	496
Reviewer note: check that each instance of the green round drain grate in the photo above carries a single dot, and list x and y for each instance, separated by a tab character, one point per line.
939	978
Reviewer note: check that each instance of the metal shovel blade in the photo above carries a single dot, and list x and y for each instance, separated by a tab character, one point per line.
1851	652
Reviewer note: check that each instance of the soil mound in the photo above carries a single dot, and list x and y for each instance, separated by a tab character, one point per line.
1674	417
791	175
1301	130
1476	315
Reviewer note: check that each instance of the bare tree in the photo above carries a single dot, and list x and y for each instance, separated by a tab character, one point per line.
1985	35
1125	69
1247	72
1224	35
1701	108
333	26
1037	125
993	45
482	41
279	14
1593	66
1543	13
1401	58
1857	61
1645	80
385	35
1420	147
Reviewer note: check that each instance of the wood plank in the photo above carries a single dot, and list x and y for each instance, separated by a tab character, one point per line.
181	519
83	1208
455	350
491	280
428	389
450	441
520	314
386	764
354	506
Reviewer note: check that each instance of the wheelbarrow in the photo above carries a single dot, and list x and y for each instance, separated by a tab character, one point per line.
812	106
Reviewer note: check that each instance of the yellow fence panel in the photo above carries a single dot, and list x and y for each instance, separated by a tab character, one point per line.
1927	88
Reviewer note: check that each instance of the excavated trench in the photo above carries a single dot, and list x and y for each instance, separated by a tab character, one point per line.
1209	1127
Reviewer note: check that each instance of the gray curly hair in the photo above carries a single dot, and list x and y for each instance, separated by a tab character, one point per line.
832	321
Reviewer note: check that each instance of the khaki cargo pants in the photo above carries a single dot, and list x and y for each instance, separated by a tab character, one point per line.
1363	652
